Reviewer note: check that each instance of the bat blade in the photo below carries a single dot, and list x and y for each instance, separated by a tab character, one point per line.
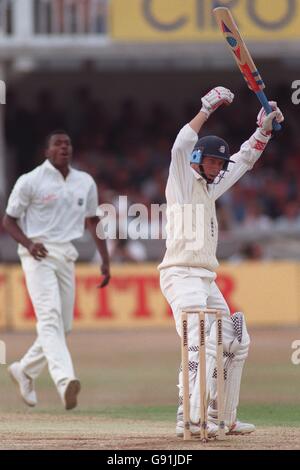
238	48
242	56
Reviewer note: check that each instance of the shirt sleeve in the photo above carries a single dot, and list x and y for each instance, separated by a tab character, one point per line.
92	201
20	197
244	160
180	173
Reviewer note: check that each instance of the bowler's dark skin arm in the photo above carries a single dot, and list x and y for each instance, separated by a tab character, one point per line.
91	223
37	250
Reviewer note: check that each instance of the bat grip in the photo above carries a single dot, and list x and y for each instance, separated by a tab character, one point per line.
265	103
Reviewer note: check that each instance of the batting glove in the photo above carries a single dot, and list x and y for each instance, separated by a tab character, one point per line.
265	121
215	98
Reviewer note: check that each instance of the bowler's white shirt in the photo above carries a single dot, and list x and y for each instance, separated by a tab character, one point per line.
52	208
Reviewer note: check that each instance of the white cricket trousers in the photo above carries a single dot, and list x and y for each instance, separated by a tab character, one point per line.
51	286
185	287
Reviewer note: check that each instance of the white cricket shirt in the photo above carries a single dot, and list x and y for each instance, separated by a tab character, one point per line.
186	187
50	208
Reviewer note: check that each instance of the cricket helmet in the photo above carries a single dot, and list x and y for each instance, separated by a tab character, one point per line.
211	146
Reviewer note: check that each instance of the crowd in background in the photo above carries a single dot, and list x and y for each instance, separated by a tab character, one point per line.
128	153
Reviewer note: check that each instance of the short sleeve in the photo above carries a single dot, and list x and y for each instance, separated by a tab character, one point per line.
92	200
20	198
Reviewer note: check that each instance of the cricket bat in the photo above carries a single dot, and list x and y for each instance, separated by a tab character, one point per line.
243	57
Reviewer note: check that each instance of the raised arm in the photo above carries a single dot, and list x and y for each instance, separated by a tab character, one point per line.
188	135
210	102
250	150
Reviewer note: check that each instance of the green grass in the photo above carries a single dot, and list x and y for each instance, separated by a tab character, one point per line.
271	415
258	414
136	380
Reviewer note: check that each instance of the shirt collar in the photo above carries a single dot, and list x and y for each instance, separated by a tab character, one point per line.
197	175
47	164
201	180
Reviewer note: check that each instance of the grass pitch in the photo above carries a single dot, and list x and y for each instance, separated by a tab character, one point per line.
129	395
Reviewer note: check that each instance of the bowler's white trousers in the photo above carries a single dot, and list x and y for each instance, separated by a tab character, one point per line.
51	286
194	287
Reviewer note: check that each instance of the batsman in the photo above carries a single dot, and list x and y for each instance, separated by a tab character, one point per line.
201	170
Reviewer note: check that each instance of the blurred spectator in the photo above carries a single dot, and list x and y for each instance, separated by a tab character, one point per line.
249	252
128	251
289	221
255	220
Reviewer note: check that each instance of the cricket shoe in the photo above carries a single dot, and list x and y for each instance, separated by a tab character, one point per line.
24	383
212	429
239	429
69	395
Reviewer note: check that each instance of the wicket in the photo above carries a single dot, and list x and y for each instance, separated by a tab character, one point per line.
202	364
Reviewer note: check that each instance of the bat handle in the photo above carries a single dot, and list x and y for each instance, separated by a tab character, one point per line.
265	103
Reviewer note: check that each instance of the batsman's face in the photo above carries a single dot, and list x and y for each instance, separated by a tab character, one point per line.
59	150
212	167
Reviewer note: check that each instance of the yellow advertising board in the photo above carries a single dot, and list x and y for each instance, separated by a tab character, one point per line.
192	20
268	294
132	299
